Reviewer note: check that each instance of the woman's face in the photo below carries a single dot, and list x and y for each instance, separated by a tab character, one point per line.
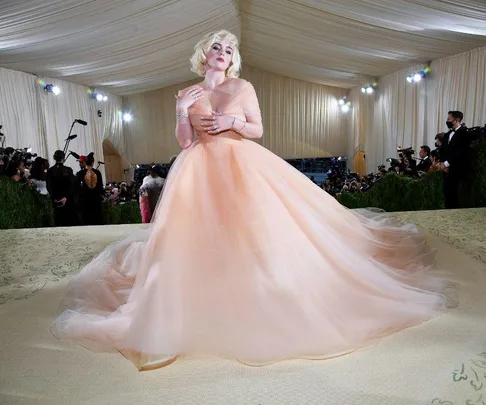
219	56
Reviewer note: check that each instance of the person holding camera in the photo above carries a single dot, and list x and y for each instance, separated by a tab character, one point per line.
454	153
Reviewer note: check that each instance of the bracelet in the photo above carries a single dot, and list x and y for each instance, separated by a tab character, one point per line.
181	116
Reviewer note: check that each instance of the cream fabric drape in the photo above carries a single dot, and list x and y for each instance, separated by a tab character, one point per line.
131	46
300	119
404	114
359	123
33	118
21	111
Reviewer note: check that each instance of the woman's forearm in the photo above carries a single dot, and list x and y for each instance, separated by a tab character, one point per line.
248	129
184	132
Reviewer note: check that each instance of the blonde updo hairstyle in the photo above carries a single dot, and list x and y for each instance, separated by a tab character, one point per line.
198	60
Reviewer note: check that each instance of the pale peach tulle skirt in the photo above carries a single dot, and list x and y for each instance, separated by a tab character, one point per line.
247	259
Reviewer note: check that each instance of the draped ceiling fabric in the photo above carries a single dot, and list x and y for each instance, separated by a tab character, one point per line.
127	46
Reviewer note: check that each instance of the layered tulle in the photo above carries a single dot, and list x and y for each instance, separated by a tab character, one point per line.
247	259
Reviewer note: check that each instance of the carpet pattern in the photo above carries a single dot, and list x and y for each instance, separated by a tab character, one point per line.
442	362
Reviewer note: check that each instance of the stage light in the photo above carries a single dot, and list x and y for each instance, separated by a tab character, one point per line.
369	88
50	88
127	117
98	96
342	101
345	108
418	76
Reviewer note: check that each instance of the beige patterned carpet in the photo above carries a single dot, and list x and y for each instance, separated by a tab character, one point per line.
442	362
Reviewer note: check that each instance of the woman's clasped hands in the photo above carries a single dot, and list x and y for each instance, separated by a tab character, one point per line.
217	122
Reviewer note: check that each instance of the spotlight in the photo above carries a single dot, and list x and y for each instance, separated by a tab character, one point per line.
418	76
370	90
363	90
341	102
127	117
97	95
50	88
345	108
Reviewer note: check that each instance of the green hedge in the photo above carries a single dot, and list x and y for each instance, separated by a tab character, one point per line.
23	207
124	213
402	193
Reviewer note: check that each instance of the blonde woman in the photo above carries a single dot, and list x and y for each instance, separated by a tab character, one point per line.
246	258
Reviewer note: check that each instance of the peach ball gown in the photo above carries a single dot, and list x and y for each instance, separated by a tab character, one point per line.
247	259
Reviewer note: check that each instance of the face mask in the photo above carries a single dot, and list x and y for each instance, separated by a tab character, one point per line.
449	124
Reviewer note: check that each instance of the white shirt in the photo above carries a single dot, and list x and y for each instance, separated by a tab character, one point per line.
41	186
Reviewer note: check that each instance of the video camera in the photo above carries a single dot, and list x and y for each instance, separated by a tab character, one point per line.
10	156
405	154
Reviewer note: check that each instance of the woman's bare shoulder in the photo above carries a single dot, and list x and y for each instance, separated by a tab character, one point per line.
236	85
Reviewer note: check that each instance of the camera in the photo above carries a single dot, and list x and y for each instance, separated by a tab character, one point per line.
405	153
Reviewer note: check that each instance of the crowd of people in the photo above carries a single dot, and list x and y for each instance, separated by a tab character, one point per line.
76	197
451	154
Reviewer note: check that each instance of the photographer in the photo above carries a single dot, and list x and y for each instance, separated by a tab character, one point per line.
454	158
405	164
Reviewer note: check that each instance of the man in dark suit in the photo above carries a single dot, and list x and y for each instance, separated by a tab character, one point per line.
60	186
454	158
425	162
